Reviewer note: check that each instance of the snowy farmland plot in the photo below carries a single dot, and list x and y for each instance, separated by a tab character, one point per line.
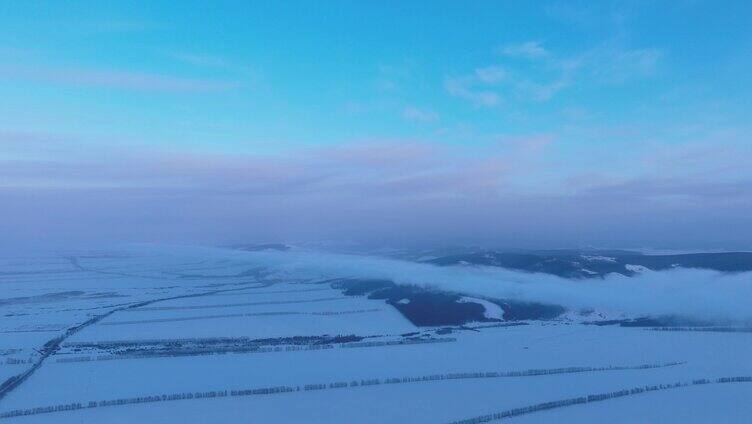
173	335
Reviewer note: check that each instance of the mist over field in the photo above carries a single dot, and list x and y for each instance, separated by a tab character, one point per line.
699	294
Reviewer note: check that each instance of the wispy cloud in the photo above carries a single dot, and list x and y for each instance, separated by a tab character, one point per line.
355	169
492	74
527	50
529	72
464	88
540	92
392	78
392	189
614	65
52	161
125	26
203	60
116	79
529	142
415	114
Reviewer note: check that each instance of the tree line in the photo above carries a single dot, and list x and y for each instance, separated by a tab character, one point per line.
197	351
707	329
594	398
339	385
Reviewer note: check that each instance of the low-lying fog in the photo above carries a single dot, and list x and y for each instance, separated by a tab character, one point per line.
691	293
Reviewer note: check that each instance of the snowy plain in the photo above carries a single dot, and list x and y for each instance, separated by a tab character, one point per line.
164	298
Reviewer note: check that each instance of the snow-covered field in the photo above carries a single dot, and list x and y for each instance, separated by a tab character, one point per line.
186	332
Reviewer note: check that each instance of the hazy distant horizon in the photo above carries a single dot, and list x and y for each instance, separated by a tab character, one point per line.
532	125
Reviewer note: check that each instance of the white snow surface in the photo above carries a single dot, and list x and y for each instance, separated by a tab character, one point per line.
598	258
491	310
637	268
41	297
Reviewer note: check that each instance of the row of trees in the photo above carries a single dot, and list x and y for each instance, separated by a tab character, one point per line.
115	402
17	361
400	342
357	311
593	398
227	305
711	329
195	351
377	381
222	342
247	314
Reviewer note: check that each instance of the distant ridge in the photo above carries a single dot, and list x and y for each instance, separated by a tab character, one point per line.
579	264
261	247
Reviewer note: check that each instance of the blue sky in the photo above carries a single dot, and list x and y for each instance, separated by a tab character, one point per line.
402	106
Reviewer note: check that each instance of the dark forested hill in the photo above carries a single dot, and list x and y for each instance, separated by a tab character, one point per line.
590	264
